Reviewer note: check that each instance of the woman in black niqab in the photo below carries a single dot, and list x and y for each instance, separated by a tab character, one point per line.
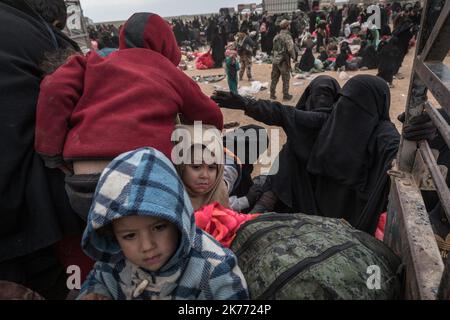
353	152
290	181
218	48
307	60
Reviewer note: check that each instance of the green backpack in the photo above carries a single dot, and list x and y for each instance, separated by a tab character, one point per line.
297	256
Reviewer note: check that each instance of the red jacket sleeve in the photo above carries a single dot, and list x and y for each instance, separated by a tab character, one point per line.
58	97
199	107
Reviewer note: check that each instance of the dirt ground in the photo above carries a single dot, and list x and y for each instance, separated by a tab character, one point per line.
261	72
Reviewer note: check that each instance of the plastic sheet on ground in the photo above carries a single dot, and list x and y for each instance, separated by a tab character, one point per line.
256	87
305	76
209	79
262	57
220	88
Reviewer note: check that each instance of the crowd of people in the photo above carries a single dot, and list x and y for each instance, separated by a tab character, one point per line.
89	176
323	39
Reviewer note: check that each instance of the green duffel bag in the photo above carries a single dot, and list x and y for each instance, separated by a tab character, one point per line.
297	256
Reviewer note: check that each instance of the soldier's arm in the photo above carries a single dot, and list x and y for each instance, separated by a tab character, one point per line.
290	47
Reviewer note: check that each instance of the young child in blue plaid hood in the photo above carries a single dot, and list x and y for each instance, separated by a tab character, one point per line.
141	231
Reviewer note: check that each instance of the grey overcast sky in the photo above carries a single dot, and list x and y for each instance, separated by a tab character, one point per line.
111	10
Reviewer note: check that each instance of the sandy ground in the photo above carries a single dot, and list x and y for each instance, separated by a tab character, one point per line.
261	72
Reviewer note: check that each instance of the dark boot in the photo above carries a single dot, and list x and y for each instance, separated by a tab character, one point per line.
287	97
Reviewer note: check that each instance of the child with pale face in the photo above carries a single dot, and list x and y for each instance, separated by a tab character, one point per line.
203	178
141	231
148	242
200	177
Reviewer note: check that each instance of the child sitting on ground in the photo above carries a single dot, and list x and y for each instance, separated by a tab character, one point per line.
141	231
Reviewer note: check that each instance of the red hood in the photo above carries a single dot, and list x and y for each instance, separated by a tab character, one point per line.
150	31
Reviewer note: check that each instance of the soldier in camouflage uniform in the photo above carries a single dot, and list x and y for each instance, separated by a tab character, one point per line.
283	52
245	46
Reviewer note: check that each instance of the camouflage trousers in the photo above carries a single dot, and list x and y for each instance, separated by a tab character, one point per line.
284	70
246	64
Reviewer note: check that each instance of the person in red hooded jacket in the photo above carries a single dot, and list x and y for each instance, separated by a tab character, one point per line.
91	109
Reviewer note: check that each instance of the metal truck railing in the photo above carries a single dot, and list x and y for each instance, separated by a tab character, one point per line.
408	231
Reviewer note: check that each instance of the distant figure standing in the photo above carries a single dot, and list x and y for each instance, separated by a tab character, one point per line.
283	52
232	68
218	48
245	47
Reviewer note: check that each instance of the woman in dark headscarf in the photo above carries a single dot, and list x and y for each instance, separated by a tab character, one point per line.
336	22
218	48
353	14
368	55
307	60
271	33
291	183
404	33
389	58
338	154
353	152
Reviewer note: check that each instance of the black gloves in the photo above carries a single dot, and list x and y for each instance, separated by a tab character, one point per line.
230	100
418	128
254	193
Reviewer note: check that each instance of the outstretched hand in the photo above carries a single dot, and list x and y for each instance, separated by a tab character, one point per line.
418	128
229	100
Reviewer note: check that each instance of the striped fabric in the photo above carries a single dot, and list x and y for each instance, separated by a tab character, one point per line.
144	182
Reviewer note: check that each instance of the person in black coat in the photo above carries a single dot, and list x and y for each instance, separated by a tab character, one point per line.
218	48
35	211
307	60
347	160
341	59
336	22
271	33
389	57
291	183
404	32
368	55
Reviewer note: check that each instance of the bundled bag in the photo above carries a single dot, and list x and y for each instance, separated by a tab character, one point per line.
205	61
297	256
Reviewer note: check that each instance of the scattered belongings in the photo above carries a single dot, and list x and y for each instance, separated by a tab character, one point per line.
256	87
262	57
209	79
230	125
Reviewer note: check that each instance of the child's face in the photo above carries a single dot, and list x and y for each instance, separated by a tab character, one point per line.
148	242
200	178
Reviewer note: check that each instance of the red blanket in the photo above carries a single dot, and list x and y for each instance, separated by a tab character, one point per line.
221	223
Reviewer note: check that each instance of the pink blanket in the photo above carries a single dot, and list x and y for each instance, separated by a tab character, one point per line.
220	222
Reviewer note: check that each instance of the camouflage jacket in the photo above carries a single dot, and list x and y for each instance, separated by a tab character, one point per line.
283	47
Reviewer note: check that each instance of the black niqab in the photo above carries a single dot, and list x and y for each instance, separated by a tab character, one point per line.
35	211
353	152
307	61
292	183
